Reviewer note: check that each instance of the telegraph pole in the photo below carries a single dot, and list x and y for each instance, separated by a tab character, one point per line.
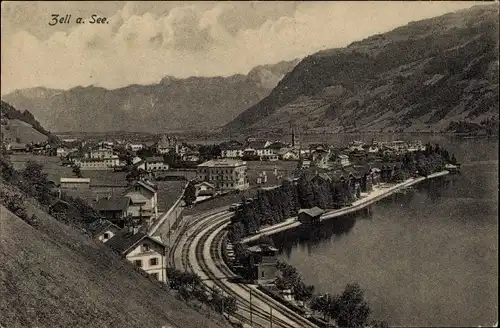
271	319
251	322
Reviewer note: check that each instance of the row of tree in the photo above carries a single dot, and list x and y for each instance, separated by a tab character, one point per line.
190	286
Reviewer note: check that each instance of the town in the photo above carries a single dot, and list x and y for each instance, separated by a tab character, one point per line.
136	204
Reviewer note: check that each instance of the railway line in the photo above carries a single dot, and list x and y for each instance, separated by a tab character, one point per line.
201	253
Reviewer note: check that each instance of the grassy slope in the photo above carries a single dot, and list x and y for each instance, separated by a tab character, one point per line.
54	276
22	130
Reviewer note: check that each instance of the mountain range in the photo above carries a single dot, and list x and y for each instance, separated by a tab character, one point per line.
194	103
430	75
425	76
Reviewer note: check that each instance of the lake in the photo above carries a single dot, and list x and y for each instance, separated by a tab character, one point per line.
424	258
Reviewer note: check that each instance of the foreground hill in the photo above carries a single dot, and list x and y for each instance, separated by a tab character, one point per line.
419	77
21	127
54	276
173	104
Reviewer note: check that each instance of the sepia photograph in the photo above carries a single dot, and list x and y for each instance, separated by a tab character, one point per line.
260	164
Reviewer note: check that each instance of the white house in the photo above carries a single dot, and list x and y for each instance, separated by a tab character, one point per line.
135	146
289	154
98	164
153	164
232	152
144	200
226	174
101	153
343	160
146	252
62	151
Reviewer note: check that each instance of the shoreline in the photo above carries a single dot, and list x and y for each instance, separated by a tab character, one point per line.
374	196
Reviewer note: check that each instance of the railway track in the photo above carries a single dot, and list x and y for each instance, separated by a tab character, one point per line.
209	229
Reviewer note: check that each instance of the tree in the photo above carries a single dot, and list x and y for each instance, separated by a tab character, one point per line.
77	171
350	309
303	292
190	194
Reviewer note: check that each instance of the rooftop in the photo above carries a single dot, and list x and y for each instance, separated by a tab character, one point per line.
262	248
315	211
74	180
112	204
222	163
125	240
99	226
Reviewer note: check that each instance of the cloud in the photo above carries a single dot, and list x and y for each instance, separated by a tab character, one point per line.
141	47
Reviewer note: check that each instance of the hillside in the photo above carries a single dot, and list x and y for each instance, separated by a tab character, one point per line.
420	77
54	276
21	127
173	104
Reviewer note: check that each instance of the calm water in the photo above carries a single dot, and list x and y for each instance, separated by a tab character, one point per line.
425	258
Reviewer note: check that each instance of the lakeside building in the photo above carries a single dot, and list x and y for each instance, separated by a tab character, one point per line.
310	215
145	252
263	264
225	174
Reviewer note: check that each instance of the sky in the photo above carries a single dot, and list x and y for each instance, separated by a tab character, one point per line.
142	42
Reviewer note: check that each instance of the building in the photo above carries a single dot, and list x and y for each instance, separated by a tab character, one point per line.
143	200
310	215
225	174
135	147
191	156
260	148
145	252
98	164
103	230
343	160
114	209
289	154
263	264
62	151
232	152
101	153
166	144
74	183
205	188
153	164
17	148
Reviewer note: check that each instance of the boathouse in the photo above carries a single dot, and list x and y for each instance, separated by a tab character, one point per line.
310	215
263	263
